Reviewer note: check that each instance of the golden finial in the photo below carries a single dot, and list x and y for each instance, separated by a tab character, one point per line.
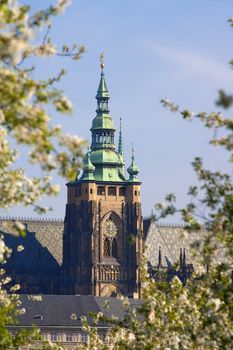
102	61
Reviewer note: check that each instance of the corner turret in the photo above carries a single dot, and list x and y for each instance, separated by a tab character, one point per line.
133	170
88	168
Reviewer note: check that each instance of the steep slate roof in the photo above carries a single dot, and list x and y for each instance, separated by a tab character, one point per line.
170	238
42	244
66	310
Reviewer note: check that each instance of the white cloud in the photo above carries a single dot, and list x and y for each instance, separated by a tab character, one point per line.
193	63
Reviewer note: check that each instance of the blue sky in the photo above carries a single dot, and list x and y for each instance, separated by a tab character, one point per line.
153	49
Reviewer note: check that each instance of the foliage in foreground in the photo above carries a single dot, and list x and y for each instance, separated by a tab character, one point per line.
27	126
10	308
24	101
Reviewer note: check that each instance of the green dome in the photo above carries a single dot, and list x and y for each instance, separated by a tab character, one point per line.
103	121
133	169
104	156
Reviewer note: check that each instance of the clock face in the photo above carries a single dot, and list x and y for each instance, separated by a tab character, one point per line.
110	229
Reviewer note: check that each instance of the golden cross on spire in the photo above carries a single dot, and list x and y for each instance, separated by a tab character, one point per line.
102	61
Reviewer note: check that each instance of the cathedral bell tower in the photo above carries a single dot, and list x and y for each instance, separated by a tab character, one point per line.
103	237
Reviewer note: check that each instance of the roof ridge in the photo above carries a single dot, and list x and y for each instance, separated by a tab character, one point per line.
170	224
10	218
165	224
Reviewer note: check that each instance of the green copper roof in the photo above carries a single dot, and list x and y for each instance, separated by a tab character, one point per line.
107	165
103	121
108	174
105	156
103	162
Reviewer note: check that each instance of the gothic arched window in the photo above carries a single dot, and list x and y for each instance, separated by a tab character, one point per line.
114	248
110	242
107	247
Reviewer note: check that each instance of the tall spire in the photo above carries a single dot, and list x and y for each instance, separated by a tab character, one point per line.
104	156
103	162
121	150
102	92
102	125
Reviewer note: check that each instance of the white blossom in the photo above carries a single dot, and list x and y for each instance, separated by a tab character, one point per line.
20	248
22	311
35	297
73	316
6	280
15	288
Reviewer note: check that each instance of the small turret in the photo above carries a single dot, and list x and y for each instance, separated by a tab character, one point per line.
88	167
133	170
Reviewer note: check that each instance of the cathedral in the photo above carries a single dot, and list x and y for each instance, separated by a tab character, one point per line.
98	248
